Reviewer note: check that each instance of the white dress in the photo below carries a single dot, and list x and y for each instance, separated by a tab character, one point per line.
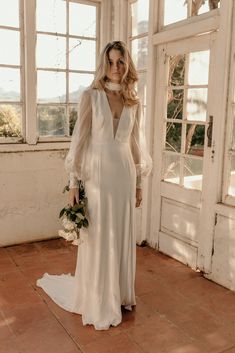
107	156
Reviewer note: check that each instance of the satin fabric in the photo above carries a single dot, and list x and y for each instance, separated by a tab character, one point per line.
106	261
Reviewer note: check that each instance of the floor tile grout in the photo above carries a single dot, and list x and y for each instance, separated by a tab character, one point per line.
195	336
48	307
227	350
58	320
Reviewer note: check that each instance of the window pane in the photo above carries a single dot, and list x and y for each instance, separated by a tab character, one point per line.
9	13
82	20
205	6
55	49
171	171
11	55
77	83
142	87
51	16
9	84
173	137
199	68
10	120
176	70
175	104
231	190
194	142
139	16
174	10
52	120
196	106
193	173
72	118
51	87
82	54
140	52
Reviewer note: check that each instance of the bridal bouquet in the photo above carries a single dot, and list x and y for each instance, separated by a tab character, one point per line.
74	217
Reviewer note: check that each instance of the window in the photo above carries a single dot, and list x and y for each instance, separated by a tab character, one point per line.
11	72
66	58
177	10
138	38
185	119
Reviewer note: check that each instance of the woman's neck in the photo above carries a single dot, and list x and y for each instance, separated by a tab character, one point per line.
113	86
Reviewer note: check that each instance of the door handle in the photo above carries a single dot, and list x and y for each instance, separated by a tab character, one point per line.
209	131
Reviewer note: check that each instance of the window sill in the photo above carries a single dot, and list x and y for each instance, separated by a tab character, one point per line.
42	146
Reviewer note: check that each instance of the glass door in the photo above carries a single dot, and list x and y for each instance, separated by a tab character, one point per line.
185	117
184	149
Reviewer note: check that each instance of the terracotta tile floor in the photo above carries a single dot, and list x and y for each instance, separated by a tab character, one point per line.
178	311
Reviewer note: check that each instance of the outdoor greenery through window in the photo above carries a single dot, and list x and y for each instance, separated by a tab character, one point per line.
186	115
177	10
10	71
66	60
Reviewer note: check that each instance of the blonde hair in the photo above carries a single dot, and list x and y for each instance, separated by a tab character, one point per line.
129	78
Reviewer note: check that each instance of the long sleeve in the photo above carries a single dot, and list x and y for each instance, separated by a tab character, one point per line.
141	156
75	161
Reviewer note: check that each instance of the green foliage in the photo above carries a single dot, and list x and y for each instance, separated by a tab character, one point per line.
175	105
77	212
72	120
52	120
198	136
194	134
177	70
173	137
10	121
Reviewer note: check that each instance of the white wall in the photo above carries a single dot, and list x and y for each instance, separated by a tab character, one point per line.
223	260
31	196
31	185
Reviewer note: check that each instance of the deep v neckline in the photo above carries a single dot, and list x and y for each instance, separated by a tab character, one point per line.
111	115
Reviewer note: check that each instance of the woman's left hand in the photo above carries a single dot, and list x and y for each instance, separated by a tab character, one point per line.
138	197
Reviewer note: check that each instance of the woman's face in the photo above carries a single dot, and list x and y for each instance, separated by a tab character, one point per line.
116	67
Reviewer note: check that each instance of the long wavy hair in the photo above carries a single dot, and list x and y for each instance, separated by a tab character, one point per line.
129	78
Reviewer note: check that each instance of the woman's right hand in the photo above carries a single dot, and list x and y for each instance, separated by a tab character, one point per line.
73	196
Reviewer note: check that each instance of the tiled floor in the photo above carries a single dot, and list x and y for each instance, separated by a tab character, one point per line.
178	311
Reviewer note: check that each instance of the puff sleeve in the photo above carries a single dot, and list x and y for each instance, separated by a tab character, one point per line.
75	161
140	154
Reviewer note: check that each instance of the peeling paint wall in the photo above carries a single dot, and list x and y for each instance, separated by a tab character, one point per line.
31	185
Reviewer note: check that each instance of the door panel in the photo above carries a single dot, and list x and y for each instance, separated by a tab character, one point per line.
183	152
180	220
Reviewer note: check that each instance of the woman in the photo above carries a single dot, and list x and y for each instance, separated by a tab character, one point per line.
108	153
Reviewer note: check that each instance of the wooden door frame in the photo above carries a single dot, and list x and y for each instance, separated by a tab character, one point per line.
223	21
212	196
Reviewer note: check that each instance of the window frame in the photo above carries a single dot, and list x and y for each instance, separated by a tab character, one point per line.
28	35
229	151
184	122
131	38
21	67
188	19
67	70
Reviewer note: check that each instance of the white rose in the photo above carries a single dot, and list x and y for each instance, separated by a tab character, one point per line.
77	242
62	234
71	236
67	223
